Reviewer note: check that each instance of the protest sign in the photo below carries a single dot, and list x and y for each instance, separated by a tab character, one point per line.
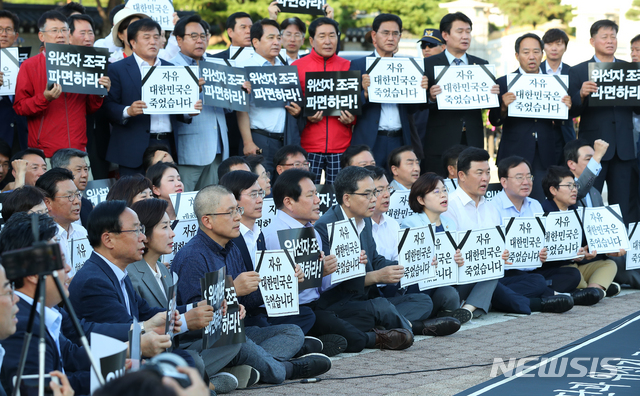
185	230
213	291
446	269
97	190
332	92
77	68
492	190
311	7
241	55
327	195
524	237
170	320
451	184
633	254
24	53
466	87
304	245
617	84
223	86
604	229
538	95
170	89
563	235
482	254
110	356
268	213
135	349
345	244
274	86
415	253
232	329
9	66
160	11
396	80
399	205
278	282
79	251
183	204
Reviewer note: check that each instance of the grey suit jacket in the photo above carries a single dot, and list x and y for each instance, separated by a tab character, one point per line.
586	180
146	285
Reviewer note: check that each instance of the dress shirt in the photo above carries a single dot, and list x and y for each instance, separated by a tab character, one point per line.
1	356
463	210
450	58
451	184
160	123
158	276
386	236
398	186
250	236
120	275
270	119
506	208
389	114
75	231
52	319
550	71
595	168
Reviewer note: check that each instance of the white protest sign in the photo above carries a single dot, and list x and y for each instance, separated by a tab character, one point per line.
79	251
345	244
482	254
268	213
563	235
604	229
396	80
538	95
633	254
170	89
415	253
241	55
185	230
399	205
466	87
278	282
160	11
9	65
110	356
446	269
183	204
524	237
451	184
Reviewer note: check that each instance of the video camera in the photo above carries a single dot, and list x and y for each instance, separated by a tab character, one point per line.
165	365
42	257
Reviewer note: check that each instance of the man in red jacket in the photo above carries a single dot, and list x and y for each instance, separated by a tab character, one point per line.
324	138
56	120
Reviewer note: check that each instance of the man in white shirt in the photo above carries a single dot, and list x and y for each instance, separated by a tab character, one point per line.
404	166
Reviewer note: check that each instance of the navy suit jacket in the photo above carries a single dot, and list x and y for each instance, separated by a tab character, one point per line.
253	300
223	54
10	121
365	131
518	134
130	138
96	295
85	208
119	331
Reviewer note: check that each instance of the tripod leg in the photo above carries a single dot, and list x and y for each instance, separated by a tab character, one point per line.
42	346
25	345
76	324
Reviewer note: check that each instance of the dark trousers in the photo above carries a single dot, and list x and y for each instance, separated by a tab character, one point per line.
444	298
305	319
538	172
432	163
563	279
269	147
383	147
625	276
622	180
516	288
327	322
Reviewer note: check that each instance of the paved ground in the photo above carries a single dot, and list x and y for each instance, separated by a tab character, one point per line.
448	362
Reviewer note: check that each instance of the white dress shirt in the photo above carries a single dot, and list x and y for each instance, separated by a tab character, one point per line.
120	275
550	71
250	236
450	58
389	114
52	319
386	236
463	210
75	231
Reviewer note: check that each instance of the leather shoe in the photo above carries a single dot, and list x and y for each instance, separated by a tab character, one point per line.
310	365
586	296
613	289
440	326
394	339
557	304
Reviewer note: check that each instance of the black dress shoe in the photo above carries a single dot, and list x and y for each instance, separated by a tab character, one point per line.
440	326
587	296
613	289
394	339
310	365
310	345
333	344
557	304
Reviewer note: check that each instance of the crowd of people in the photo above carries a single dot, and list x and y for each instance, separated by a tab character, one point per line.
235	159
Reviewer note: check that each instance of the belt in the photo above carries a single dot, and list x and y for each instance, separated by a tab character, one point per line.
161	136
271	135
391	134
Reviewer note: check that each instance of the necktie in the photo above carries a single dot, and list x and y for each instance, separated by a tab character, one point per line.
457	61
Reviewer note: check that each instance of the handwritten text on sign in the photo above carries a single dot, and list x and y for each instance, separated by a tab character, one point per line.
274	86
399	205
160	11
170	89
213	291
223	86
604	229
332	92
482	254
633	254
183	204
232	331
618	84
77	68
313	7
538	96
415	253
563	236
345	244
80	250
304	244
185	230
466	87
9	65
268	213
278	282
446	269
97	190
524	237
396	80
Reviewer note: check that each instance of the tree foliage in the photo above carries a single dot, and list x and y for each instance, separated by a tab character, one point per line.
634	12
534	12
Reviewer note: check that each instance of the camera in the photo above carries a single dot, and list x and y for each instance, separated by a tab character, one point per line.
165	365
40	258
29	384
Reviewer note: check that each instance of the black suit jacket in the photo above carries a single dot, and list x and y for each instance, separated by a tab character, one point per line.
10	122
518	134
252	300
85	208
222	54
444	127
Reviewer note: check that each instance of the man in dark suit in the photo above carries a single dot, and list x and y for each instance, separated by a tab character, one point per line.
132	130
8	310
391	121
613	124
534	139
450	127
74	160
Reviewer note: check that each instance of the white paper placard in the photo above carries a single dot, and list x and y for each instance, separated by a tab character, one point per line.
604	229
185	230
466	87
243	55
446	269
524	238
538	96
170	89
160	11
183	204
415	253
278	282
345	244
396	80
79	251
110	355
399	205
563	235
9	65
482	254
633	254
268	213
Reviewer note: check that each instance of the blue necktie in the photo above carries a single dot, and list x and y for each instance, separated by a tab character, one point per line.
457	61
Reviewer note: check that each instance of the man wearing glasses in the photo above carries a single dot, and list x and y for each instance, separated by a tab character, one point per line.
56	120
289	157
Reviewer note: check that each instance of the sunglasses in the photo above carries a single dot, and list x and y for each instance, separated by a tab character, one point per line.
430	45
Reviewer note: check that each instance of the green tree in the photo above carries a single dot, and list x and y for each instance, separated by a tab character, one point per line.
634	12
534	12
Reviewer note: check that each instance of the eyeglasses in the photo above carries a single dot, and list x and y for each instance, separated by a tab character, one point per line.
10	293
430	45
571	186
72	197
386	33
288	34
255	194
86	33
239	210
196	36
298	164
381	190
137	231
441	191
521	178
8	30
369	195
55	32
